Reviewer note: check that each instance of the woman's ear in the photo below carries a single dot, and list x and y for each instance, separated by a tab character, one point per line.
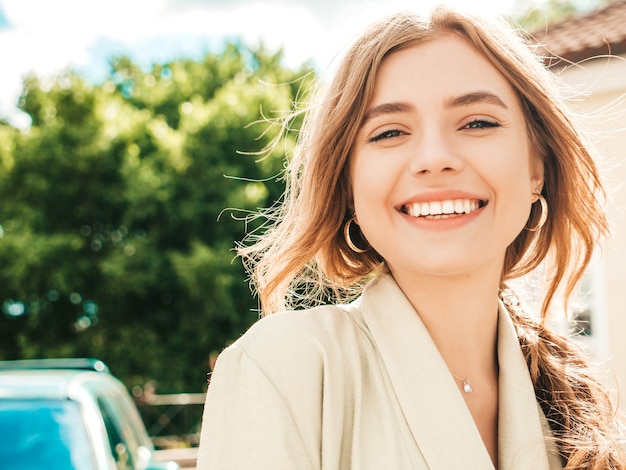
537	173
349	202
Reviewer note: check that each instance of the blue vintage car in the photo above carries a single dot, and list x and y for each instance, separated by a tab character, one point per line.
62	414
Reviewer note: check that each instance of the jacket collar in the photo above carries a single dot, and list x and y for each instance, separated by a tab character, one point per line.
427	392
524	434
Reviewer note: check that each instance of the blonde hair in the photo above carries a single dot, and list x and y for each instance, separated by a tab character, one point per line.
303	256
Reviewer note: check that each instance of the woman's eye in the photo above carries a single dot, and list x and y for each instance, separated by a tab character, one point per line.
386	135
481	124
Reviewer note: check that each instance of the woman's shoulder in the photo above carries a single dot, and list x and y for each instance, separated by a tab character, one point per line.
317	324
306	338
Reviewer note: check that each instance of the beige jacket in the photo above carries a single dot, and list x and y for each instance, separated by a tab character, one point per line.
361	387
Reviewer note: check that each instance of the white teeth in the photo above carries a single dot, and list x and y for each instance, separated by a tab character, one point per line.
459	207
467	206
435	208
453	206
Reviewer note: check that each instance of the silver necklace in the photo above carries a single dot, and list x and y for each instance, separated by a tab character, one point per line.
467	387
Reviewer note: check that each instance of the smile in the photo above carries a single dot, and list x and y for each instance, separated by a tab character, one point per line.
442	209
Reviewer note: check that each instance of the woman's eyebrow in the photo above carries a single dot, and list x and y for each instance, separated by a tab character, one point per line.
388	108
468	99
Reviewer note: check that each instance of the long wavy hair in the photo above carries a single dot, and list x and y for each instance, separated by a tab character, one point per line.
302	256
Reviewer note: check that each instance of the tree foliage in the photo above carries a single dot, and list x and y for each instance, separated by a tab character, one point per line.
535	15
114	242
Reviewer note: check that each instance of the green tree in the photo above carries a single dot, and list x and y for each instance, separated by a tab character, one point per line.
115	235
534	15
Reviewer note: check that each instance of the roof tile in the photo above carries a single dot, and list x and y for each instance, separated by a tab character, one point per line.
597	33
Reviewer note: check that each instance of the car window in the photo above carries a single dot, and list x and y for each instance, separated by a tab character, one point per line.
46	434
120	447
133	422
124	427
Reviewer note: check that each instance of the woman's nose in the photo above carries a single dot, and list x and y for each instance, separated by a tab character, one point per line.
434	153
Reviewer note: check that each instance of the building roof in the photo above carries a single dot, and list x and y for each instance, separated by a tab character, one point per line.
596	33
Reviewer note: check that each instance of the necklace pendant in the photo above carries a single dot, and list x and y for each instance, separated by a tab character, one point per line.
467	388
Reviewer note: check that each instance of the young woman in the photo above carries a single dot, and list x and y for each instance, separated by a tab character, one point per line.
438	165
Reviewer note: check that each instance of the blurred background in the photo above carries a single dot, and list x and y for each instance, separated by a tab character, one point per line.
132	137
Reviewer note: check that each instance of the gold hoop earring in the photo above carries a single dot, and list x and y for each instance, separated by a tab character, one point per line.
346	235
544	213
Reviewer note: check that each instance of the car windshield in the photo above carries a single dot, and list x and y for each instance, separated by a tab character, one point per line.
47	434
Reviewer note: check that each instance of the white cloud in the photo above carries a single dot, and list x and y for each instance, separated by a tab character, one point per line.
81	19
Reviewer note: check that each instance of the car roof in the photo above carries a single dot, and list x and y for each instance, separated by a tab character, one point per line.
50	379
78	363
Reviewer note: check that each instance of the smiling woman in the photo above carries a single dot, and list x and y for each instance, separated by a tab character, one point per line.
460	141
426	177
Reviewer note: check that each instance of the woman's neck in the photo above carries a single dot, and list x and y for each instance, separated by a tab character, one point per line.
461	315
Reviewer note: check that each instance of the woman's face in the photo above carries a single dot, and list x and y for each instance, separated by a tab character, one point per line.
442	172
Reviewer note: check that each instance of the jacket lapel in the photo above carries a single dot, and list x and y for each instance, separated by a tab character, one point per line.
432	405
521	438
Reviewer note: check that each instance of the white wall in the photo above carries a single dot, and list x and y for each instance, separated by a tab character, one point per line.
605	108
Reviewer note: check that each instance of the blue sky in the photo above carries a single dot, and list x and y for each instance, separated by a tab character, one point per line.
3	21
45	36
